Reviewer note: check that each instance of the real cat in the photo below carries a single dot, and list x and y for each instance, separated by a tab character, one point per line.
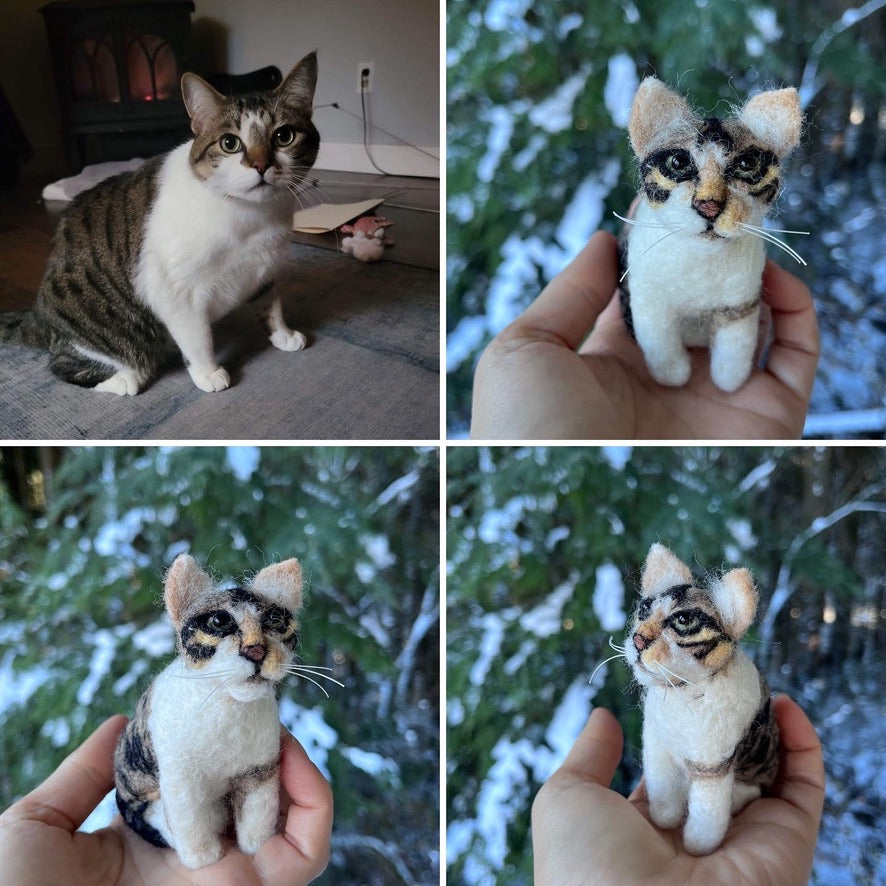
710	741
151	258
694	253
205	739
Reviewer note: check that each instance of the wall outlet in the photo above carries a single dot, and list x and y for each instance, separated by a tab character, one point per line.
365	74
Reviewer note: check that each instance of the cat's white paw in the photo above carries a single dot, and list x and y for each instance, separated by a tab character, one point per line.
666	813
251	839
701	837
288	340
125	382
728	376
201	855
674	372
217	380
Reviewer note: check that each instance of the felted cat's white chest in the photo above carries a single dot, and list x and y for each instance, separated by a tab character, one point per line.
705	723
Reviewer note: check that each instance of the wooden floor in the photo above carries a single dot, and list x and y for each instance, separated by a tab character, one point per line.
371	370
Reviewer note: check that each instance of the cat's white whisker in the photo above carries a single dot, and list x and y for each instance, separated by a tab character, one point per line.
763	234
616	647
605	661
630	221
661	667
301	670
320	686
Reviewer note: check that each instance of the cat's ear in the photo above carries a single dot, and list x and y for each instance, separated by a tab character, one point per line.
300	83
735	597
281	583
654	111
202	102
185	582
661	571
775	118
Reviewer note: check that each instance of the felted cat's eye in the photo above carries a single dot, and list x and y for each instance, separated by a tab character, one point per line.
229	143
220	621
276	620
284	136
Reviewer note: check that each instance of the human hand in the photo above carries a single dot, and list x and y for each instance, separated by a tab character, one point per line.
39	842
582	832
540	379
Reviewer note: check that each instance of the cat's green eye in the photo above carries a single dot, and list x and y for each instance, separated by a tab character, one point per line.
749	165
678	165
220	621
284	136
686	622
229	143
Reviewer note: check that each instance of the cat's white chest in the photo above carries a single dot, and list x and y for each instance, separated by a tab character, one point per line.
204	730
703	727
686	273
211	251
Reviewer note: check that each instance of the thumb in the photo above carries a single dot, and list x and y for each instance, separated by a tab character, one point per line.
597	750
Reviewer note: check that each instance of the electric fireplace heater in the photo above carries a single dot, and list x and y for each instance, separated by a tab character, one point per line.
117	67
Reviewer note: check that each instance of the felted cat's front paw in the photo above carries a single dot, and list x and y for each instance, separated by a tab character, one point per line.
703	836
288	340
674	372
200	855
666	813
251	839
216	380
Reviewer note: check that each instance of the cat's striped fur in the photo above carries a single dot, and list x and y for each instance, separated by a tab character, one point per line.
710	740
203	744
142	263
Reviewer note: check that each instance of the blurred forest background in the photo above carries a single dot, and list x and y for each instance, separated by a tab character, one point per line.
544	549
85	537
538	158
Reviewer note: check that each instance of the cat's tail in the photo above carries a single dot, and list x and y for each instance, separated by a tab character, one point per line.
23	328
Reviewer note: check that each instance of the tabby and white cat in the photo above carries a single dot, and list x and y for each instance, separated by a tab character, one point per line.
694	253
710	740
205	738
158	254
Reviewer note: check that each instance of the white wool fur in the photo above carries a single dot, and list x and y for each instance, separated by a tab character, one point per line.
672	285
208	247
213	724
206	731
703	726
694	720
694	282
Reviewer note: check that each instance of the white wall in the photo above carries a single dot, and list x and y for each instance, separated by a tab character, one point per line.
401	38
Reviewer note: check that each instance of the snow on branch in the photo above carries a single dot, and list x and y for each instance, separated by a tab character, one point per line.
811	83
784	585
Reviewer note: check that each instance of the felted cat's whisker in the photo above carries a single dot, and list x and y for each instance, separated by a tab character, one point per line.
771	238
616	647
775	230
605	661
661	667
630	221
627	270
320	686
300	671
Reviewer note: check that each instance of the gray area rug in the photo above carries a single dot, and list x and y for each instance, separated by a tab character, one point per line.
370	371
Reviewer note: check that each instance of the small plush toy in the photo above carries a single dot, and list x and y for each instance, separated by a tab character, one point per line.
710	741
694	254
204	743
367	241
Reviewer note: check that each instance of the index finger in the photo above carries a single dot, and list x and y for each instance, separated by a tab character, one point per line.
569	305
301	852
794	352
79	784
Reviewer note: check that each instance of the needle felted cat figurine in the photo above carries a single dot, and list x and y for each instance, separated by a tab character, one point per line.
710	741
204	742
150	258
694	253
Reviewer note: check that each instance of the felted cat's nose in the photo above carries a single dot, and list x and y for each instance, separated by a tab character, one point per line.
708	209
254	653
640	642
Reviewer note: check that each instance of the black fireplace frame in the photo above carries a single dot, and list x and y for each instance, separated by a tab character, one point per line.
113	130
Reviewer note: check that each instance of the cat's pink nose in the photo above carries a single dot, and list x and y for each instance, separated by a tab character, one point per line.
708	209
254	653
640	642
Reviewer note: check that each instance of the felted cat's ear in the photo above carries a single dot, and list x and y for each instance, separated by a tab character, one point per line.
655	114
202	102
185	581
300	82
735	597
775	118
661	571
281	583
